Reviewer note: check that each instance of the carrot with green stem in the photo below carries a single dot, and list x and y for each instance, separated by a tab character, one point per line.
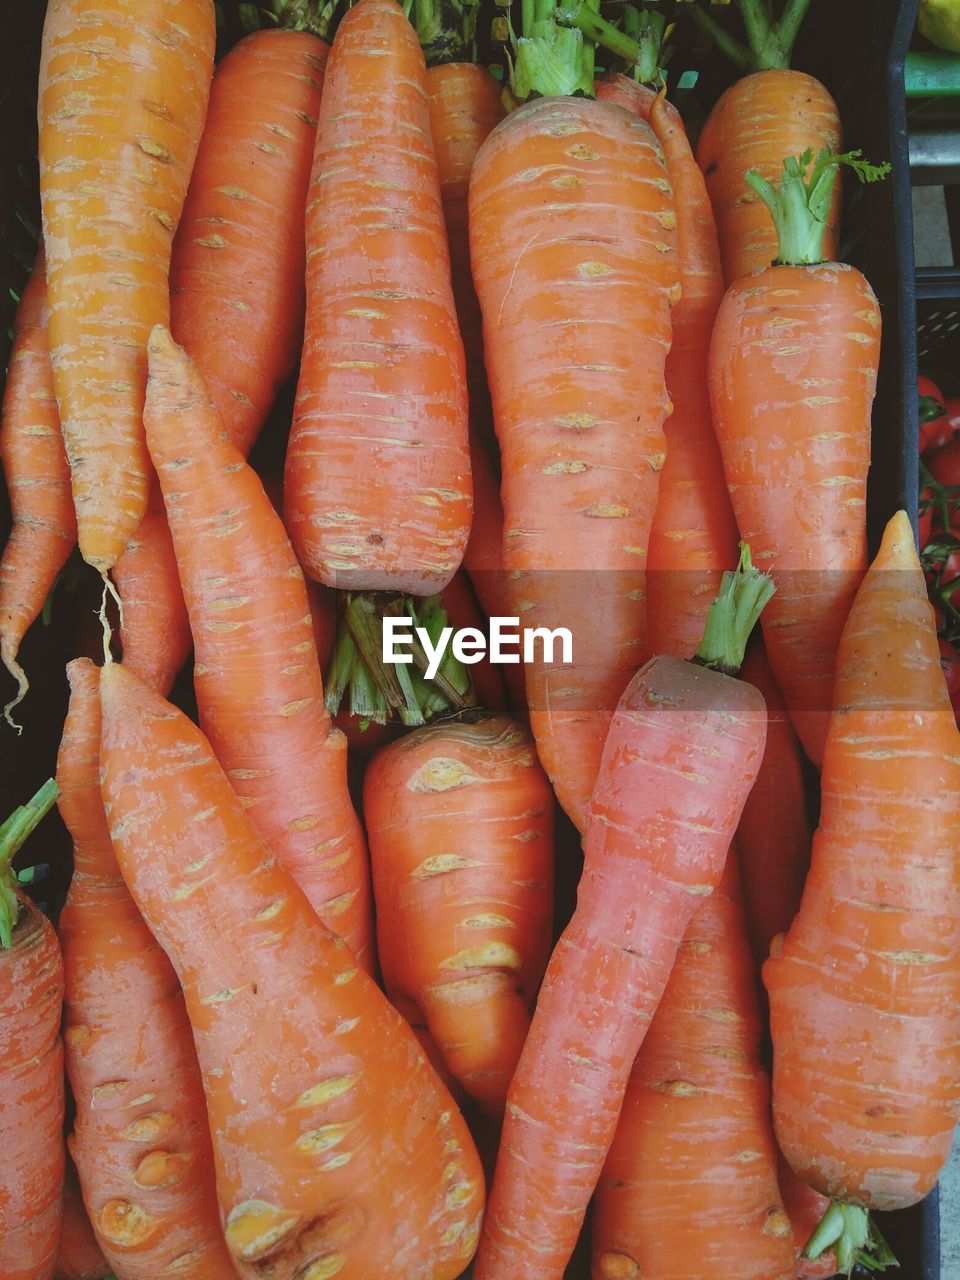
123	92
317	1091
689	1186
864	989
140	1139
575	281
793	368
460	821
683	750
31	1064
38	480
770	112
258	682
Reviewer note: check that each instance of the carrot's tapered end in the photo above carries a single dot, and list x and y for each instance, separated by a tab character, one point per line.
160	342
898	549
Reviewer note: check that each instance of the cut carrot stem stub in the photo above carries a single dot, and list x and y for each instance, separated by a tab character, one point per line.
13	833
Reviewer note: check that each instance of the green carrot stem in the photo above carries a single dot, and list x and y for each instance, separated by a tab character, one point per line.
639	49
447	29
728	45
849	1230
13	834
315	16
770	41
550	59
743	594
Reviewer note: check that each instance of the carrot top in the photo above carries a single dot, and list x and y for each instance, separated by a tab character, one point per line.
446	29
770	39
744	592
637	41
849	1230
315	16
550	58
13	833
800	205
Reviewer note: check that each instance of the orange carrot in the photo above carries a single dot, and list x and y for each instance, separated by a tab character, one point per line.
38	480
793	367
689	1188
31	1065
683	750
337	1148
123	91
865	989
805	1207
694	535
377	484
586	255
462	612
79	1257
140	1139
773	838
258	682
460	822
236	277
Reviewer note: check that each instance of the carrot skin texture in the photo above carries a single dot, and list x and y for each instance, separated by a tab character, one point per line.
460	822
236	275
316	1089
79	1257
693	538
140	1141
37	475
377	483
773	838
258	682
758	121
31	1098
691	1177
793	369
865	990
123	92
649	860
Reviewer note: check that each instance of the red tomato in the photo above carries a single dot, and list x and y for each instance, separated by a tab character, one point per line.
950	661
944	464
935	427
924	521
953	413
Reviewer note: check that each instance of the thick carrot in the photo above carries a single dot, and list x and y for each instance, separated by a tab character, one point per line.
31	1066
236	276
338	1151
123	92
140	1139
684	747
377	483
460	822
689	1188
694	535
587	256
865	989
79	1257
773	838
258	682
38	480
793	367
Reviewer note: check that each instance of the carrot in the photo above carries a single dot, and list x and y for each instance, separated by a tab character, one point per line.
805	1207
377	482
460	822
337	1149
572	235
793	367
462	612
140	1140
680	730
766	115
123	91
79	1257
258	683
38	480
689	1187
693	535
31	1065
865	989
236	276
773	838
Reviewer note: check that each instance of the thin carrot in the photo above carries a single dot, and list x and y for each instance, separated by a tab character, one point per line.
681	731
689	1188
258	682
773	838
805	1207
463	612
793	368
38	480
140	1139
865	989
338	1151
31	1065
236	276
79	1257
123	91
377	483
460	822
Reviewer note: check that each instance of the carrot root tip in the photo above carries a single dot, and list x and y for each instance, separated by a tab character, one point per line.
109	591
23	684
